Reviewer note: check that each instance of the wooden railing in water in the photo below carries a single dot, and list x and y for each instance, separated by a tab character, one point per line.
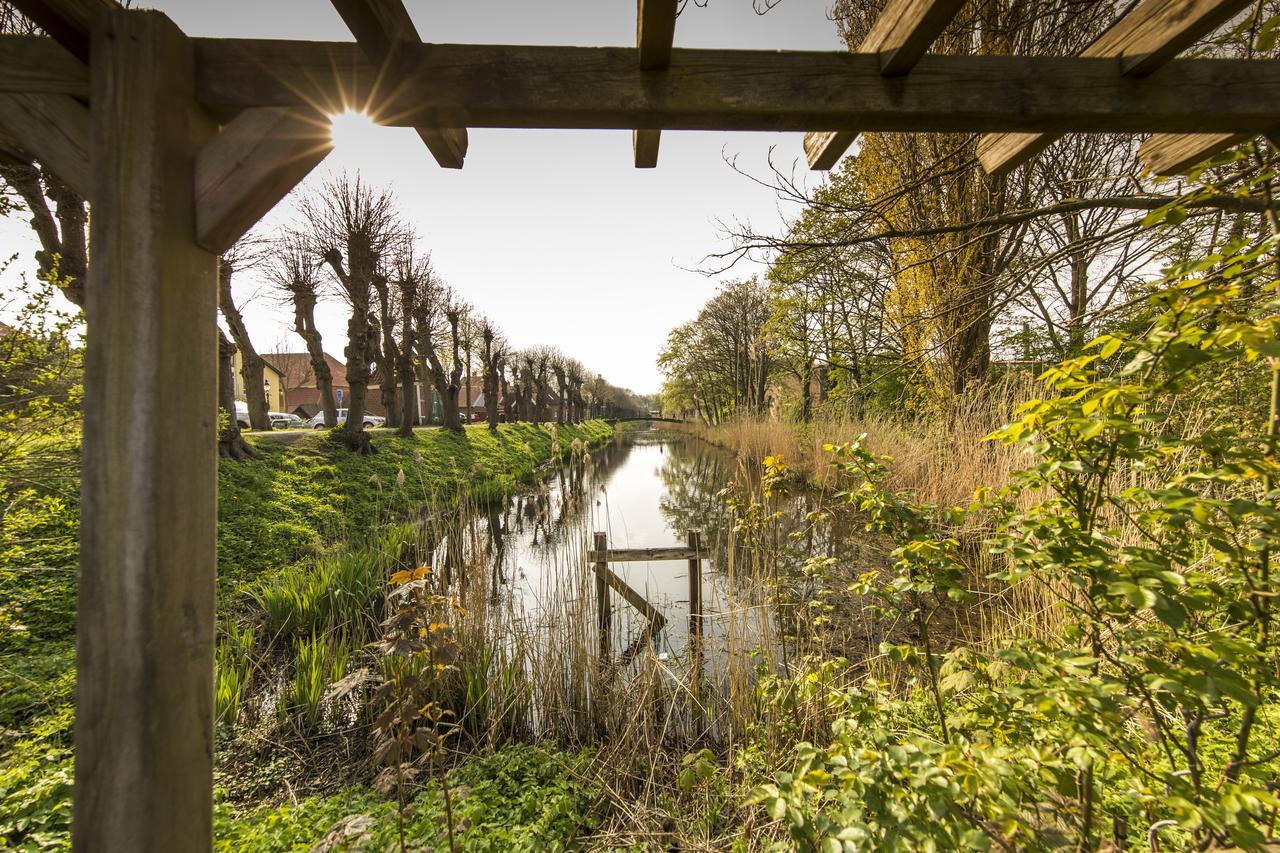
602	555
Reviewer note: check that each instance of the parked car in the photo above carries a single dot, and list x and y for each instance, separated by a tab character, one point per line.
242	414
286	420
369	420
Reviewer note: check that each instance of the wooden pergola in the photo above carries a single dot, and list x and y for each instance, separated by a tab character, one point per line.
181	144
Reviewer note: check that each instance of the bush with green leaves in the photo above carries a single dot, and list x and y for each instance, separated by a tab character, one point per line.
1151	716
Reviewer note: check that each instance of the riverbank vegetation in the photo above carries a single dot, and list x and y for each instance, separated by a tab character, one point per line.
308	535
1051	400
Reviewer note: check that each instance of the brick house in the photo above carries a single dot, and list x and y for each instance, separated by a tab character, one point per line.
302	395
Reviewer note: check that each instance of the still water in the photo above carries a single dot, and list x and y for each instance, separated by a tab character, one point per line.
645	491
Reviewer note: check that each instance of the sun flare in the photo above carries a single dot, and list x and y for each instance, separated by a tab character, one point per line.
352	130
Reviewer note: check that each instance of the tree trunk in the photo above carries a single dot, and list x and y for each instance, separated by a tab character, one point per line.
304	323
492	386
62	255
252	367
806	393
389	355
231	443
361	337
408	394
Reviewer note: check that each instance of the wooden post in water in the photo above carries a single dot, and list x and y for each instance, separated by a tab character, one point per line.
697	713
603	613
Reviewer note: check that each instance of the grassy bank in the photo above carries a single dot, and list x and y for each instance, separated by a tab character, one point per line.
297	508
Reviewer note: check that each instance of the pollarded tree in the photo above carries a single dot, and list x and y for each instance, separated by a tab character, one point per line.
387	350
252	366
411	273
574	372
559	367
493	361
231	443
353	227
292	266
437	321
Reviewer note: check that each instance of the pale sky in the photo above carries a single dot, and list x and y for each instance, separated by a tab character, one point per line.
553	234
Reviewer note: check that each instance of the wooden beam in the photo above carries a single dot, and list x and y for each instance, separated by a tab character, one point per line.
593	87
144	692
383	29
643	555
1144	40
53	129
37	66
901	35
655	35
68	22
1172	153
250	165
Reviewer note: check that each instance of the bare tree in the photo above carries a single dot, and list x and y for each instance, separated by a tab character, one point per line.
252	366
231	443
493	360
292	267
353	226
411	276
437	321
388	354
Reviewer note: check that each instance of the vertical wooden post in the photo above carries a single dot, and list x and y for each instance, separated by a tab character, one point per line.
695	584
603	611
144	694
697	715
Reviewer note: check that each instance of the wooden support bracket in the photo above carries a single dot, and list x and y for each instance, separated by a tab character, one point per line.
250	165
68	22
1172	153
53	129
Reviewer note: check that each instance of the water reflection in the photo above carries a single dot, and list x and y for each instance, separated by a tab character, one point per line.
647	490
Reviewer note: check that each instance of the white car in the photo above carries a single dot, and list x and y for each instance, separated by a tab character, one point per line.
242	414
369	420
285	420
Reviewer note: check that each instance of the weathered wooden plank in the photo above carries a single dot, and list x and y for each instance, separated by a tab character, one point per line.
901	35
823	149
250	165
38	66
144	692
655	32
382	29
1144	40
644	555
905	30
1158	30
1171	153
632	597
67	22
655	35
585	87
53	129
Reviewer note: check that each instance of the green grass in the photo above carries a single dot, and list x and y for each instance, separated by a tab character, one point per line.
283	507
275	513
519	798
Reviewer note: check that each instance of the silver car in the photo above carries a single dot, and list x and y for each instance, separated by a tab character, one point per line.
317	422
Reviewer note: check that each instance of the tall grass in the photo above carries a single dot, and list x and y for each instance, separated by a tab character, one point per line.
318	663
232	663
